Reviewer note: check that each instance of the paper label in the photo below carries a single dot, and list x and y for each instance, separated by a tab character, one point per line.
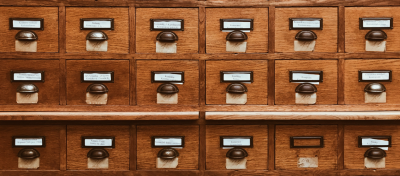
307	24
28	142
167	77
236	142
376	23
96	76
98	142
231	25
305	76
167	25
161	142
237	77
26	24
27	76
375	76
96	24
370	141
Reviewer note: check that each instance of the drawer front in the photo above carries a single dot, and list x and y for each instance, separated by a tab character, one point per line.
48	90
188	155
118	91
287	158
354	155
77	156
146	91
257	158
118	39
187	40
326	38
49	155
354	90
257	41
257	91
285	90
355	38
47	39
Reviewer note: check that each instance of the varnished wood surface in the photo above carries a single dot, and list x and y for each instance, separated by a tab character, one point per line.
327	38
257	90
47	39
77	156
257	41
188	155
286	157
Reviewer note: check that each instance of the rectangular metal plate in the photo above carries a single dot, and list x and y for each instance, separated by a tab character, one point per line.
236	24
166	24
167	76
97	76
27	76
26	23
167	141
28	141
97	23
98	142
236	141
306	76
374	141
376	23
306	23
375	75
321	143
236	76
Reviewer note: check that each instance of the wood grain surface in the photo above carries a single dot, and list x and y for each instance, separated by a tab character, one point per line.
49	155
146	92
354	156
188	158
47	39
327	38
77	156
257	91
118	39
354	90
118	92
48	90
187	39
355	38
286	157
257	156
285	90
257	41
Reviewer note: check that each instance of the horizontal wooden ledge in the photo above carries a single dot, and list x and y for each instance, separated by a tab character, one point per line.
99	115
376	115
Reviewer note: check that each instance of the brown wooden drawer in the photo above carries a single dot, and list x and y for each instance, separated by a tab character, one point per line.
118	93
48	90
257	91
354	155
285	90
146	91
257	158
49	155
286	158
354	90
257	41
118	39
187	40
188	155
77	156
327	38
355	38
47	39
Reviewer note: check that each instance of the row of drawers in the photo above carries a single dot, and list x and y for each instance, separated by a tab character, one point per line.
118	39
286	157
145	91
